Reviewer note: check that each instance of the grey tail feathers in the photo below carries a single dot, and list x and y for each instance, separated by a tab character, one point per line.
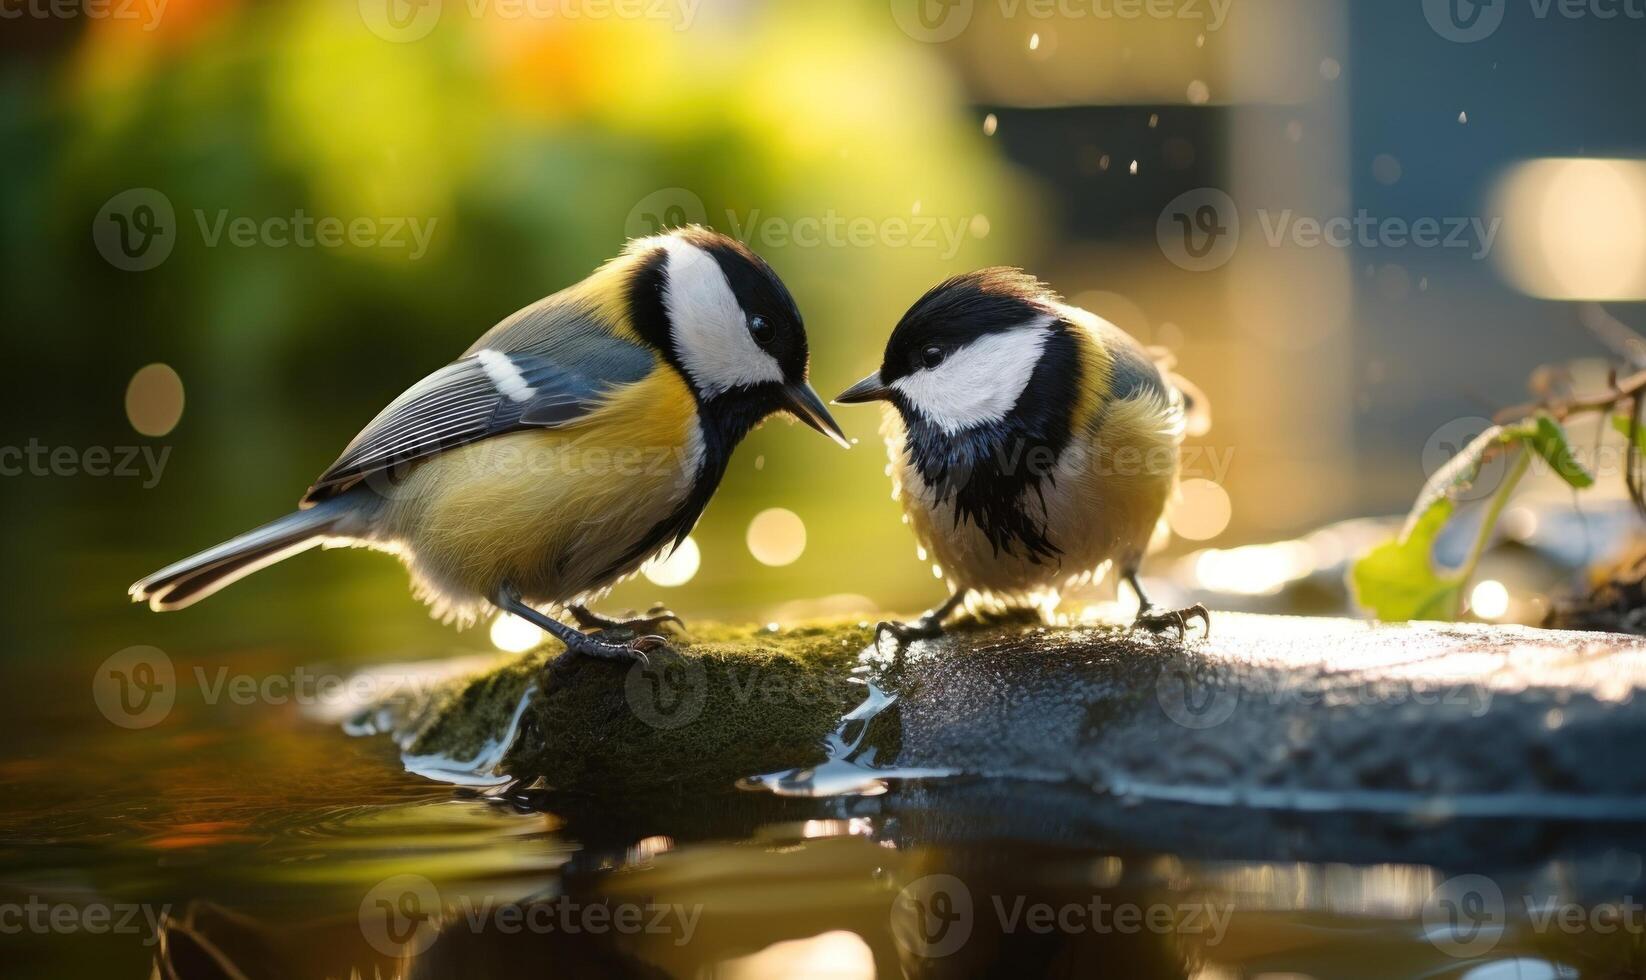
188	581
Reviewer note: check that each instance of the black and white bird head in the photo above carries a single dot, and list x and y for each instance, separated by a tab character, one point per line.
720	314
963	355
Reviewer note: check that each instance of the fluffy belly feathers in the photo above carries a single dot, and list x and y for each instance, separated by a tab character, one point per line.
553	512
1102	501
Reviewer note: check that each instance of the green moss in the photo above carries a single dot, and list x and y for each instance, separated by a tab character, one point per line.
461	716
729	701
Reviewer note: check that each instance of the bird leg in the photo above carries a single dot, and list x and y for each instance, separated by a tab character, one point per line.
1157	619
579	643
654	621
927	627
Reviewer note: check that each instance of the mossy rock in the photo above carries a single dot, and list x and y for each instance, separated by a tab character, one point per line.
1269	712
723	703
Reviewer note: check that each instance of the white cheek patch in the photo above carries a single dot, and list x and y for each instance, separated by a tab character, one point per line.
710	331
980	382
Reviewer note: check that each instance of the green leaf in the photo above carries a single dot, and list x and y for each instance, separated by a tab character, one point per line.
1397	579
1623	423
1548	439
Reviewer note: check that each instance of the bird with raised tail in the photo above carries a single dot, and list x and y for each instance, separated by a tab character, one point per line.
575	440
1033	444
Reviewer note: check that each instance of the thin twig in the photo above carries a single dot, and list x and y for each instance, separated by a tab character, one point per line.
1562	408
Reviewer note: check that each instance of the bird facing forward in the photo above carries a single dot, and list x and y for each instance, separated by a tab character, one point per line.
1032	443
573	441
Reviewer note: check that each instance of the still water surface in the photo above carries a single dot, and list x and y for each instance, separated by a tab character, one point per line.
250	840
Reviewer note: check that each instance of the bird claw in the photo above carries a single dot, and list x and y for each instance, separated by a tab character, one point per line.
656	618
642	645
1158	621
905	633
633	651
660	614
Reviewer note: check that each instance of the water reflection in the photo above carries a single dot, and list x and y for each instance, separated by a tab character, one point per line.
859	898
263	844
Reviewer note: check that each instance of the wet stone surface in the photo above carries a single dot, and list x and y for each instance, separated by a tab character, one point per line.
1272	714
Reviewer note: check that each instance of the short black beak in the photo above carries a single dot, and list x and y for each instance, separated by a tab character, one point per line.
803	402
870	389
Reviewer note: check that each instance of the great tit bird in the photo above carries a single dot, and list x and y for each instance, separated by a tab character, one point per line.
576	439
1032	443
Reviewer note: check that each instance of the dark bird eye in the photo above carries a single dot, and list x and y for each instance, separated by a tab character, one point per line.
932	356
761	330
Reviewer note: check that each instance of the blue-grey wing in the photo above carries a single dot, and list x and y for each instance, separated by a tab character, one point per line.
552	382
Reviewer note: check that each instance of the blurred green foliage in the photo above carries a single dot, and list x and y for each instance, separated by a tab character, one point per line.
533	147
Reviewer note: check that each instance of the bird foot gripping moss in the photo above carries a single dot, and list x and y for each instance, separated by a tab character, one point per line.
1158	620
593	647
906	633
657	618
